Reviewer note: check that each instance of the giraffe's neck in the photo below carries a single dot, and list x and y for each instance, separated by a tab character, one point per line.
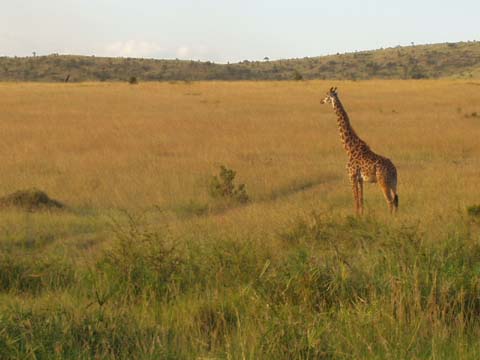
347	135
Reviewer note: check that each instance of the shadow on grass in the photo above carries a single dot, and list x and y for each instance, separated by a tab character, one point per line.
220	206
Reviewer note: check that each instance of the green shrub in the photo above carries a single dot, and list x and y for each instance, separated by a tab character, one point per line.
297	75
140	260
223	187
474	210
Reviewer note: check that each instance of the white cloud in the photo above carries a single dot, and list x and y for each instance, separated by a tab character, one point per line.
132	48
151	49
196	52
183	52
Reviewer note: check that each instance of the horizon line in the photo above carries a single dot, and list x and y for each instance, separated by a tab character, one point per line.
265	59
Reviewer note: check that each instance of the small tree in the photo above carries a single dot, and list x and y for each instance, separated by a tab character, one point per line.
133	80
223	187
297	76
474	210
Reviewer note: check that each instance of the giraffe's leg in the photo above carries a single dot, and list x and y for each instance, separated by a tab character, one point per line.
388	183
357	200
388	193
354	183
360	194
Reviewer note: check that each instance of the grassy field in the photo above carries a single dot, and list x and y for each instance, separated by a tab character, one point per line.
144	263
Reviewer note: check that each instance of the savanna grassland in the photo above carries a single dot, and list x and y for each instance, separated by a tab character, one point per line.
145	263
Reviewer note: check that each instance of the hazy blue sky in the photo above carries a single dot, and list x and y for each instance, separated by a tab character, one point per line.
229	30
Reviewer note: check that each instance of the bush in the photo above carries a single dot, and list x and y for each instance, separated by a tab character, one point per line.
133	80
474	210
297	76
140	260
223	187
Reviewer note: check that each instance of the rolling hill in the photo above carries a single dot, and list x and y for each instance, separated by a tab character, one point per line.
446	60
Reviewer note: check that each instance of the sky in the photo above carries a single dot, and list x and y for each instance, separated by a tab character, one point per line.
229	30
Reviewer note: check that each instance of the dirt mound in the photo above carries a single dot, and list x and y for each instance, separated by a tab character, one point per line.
30	200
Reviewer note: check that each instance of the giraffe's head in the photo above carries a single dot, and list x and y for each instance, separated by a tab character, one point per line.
331	96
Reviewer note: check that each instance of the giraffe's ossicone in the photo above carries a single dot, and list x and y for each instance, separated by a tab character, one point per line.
363	164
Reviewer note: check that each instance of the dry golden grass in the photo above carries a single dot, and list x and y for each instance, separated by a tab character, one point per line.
116	145
253	277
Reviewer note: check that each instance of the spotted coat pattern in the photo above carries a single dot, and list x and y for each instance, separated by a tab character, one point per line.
363	164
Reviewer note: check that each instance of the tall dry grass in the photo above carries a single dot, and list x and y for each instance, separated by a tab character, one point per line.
264	280
105	145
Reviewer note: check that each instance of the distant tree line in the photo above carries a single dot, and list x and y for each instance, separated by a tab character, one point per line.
410	62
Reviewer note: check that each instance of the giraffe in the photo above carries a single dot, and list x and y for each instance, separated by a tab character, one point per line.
363	164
